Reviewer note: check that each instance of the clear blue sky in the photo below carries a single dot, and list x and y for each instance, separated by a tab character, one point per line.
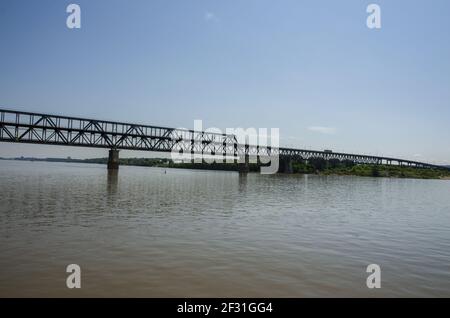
296	65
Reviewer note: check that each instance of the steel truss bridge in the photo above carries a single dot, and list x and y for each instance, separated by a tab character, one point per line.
35	128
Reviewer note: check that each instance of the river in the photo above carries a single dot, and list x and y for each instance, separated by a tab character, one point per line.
153	232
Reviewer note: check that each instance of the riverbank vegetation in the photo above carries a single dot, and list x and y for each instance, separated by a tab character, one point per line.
313	166
317	166
336	167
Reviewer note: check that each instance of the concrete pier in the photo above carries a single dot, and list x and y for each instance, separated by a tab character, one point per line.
113	159
243	164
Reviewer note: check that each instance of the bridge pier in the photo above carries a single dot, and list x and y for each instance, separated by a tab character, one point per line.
113	159
285	165
243	165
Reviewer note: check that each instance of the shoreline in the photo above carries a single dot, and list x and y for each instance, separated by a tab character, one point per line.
375	171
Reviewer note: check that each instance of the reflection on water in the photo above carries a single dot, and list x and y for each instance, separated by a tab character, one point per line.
113	179
242	182
144	232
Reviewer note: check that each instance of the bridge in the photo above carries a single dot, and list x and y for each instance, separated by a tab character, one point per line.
36	128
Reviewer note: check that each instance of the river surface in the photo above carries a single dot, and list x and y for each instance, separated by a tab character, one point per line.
151	232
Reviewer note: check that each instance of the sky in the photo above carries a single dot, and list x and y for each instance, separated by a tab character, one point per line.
313	69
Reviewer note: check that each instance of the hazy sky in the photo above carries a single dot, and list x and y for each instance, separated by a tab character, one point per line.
311	68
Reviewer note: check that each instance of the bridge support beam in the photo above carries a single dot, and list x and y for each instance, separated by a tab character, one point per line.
243	164
113	159
285	165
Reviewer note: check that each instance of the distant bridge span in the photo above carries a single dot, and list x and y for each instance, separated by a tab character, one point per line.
36	128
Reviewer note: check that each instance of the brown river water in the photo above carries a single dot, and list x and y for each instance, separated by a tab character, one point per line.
183	233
